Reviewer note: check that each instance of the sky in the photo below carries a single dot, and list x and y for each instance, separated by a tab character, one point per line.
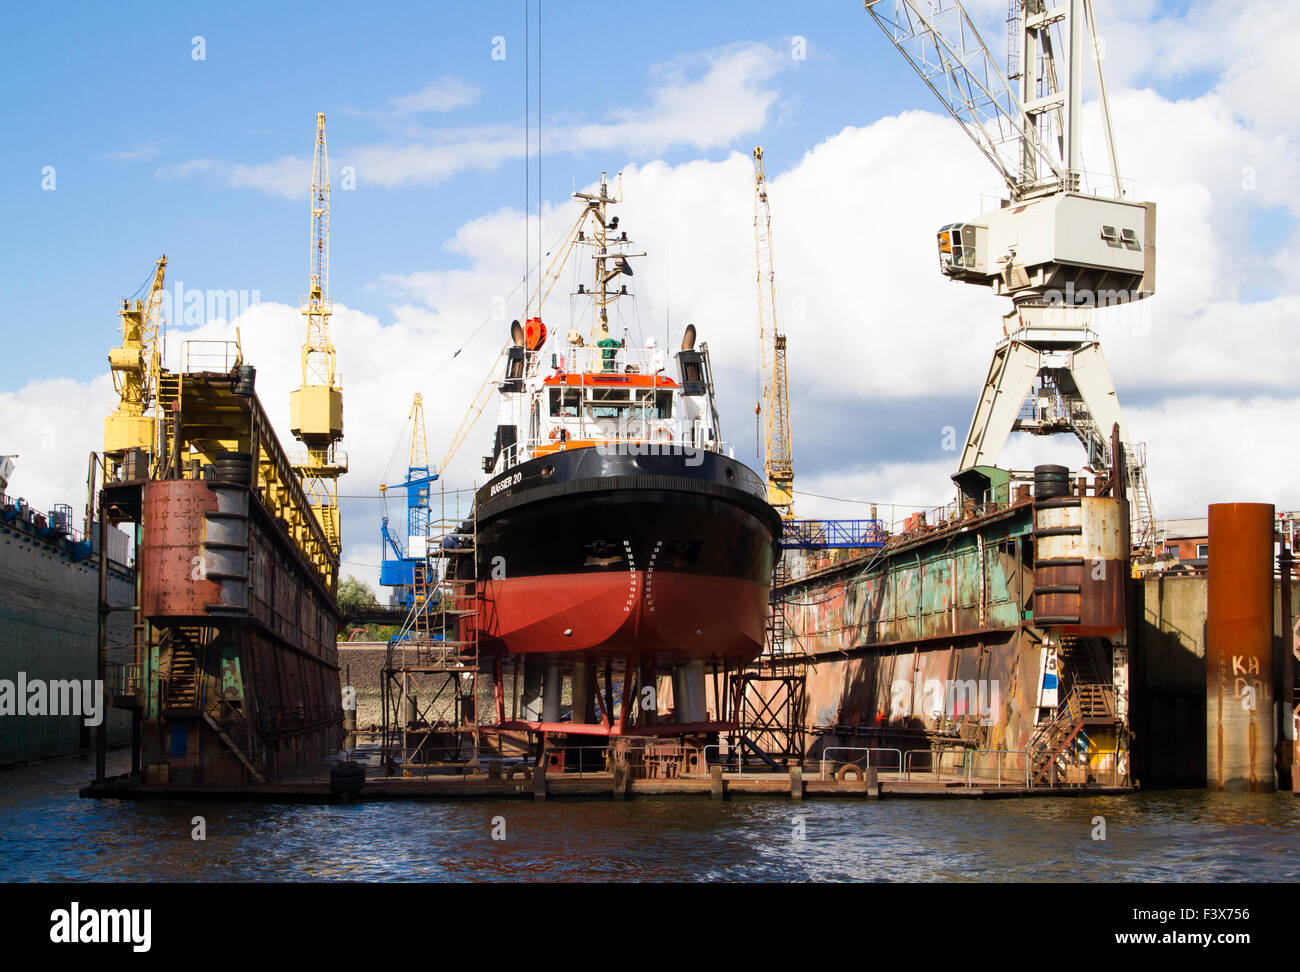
134	130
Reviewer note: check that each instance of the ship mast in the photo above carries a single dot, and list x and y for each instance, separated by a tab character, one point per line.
608	264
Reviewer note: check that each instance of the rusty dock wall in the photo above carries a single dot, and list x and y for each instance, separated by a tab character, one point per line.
982	642
1178	710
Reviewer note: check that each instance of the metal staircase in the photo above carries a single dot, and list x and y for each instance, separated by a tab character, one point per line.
183	684
1086	704
169	397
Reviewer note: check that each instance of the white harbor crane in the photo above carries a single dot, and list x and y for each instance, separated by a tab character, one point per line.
1058	245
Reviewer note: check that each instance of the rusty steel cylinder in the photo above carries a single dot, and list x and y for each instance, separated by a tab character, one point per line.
1239	648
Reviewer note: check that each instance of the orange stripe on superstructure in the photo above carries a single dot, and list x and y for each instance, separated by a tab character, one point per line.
612	380
546	450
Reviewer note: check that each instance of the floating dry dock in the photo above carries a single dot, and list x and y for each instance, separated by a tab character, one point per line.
985	653
231	675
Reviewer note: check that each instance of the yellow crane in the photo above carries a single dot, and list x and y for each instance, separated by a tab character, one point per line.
136	364
316	408
778	456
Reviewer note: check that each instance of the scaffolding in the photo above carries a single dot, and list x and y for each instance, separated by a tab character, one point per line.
768	699
429	682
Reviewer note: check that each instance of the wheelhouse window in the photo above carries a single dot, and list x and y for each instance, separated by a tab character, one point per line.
610	403
654	404
565	402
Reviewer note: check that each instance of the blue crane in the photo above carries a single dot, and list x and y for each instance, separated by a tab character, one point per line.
398	570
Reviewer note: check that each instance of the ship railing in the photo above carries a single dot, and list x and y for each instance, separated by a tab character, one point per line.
865	759
936	757
1091	182
732	762
589	359
123	678
630	438
643	444
733	758
207	355
832	534
971	755
963	769
56	521
335	460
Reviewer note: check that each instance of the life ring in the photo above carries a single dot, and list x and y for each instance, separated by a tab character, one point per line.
842	774
561	433
667	434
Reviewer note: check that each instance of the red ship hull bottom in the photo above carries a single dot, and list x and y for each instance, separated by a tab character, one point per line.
664	616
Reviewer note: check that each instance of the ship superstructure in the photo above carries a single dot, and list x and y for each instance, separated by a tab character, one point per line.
617	540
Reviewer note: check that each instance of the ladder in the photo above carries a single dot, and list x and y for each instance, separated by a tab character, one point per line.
183	687
1143	530
776	652
168	409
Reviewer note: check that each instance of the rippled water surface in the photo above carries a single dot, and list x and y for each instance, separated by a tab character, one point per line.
48	833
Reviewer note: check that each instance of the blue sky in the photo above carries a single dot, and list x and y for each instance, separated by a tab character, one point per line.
95	81
111	96
208	161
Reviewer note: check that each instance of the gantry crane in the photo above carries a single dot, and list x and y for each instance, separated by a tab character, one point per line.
399	571
136	364
316	408
1057	247
778	457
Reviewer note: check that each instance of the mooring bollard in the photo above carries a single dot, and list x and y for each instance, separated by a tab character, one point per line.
539	779
796	782
717	785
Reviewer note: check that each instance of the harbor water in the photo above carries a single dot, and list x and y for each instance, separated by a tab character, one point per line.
47	833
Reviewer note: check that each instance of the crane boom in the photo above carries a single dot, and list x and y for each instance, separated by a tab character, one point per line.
419	444
136	365
941	43
1033	250
316	408
778	458
317	351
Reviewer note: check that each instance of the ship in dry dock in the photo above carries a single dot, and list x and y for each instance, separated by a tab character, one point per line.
617	538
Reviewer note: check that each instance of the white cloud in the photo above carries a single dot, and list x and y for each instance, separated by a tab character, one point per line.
1245	52
288	177
703	102
139	153
444	94
52	425
884	353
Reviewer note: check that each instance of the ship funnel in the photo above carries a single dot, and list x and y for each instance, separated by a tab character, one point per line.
688	339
